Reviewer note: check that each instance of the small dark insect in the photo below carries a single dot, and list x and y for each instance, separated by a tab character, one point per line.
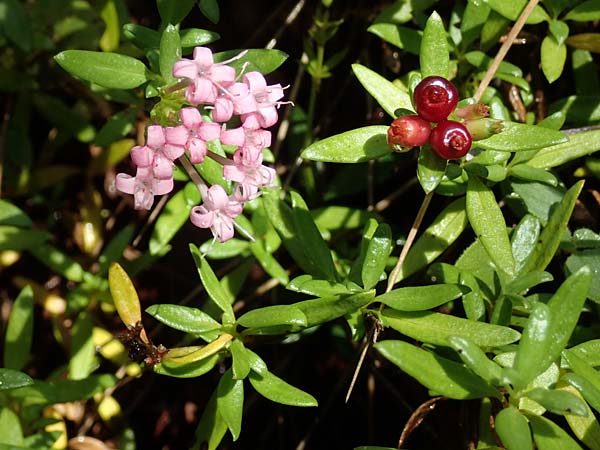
139	350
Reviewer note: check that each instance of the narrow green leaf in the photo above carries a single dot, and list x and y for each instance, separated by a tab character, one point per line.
405	38
434	56
558	402
442	232
585	41
489	226
306	284
196	37
170	52
321	310
355	274
476	360
440	375
17	238
211	427
142	37
174	11
591	259
587	428
58	262
559	30
518	137
524	238
13	379
19	331
511	10
387	94
579	144
474	18
315	247
230	402
359	145
64	391
11	215
378	250
197	368
587	388
430	169
124	295
272	316
16	24
116	127
115	248
241	361
549	436
513	429
337	217
589	351
268	262
436	328
553	56
183	318
83	350
173	216
261	60
10	429
212	285
422	297
210	9
551	235
585	12
109	41
530	173
110	70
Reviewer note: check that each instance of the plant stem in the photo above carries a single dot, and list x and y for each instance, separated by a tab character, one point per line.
193	174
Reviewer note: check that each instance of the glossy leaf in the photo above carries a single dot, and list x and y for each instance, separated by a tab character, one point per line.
404	38
430	169
13	379
10	429
124	295
339	217
83	350
378	250
589	351
524	238
355	274
476	360
116	127
11	215
387	94
549	436
19	331
262	60
321	310
274	315
422	297
433	55
517	137
174	11
489	226
211	427
240	360
513	429
579	144
64	391
170	52
183	318
210	9
527	172
586	428
191	369
212	285
440	375
109	41
442	232
511	10
591	259
306	284
586	11
195	37
551	235
359	145
230	402
436	328
554	56
110	70
587	388
558	402
268	262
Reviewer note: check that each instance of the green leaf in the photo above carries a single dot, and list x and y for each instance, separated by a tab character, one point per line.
170	52
549	436
339	217
585	77
213	288
174	11
551	235
314	246
434	57
83	350
584	108
359	145
274	315
13	379
530	173
436	328
210	9
558	402
511	10
442	232
560	31
16	24
262	60
192	369
513	429
10	429
230	402
524	238
306	284
211	427
196	37
585	41
482	61
589	351
116	127
378	250
110	70
321	310
268	262
476	360
440	375
142	37
274	388
422	297
474	18
587	388
109	41
553	56
517	137
405	38
489	226
587	429
19	331
183	318
124	295
591	259
585	12
11	215
115	248
430	169
241	360
65	118
355	274
580	144
64	391
173	216
387	94
17	238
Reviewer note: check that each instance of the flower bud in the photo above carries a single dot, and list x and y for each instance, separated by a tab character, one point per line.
483	128
474	111
408	131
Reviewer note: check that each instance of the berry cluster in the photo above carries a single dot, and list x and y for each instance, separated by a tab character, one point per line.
435	98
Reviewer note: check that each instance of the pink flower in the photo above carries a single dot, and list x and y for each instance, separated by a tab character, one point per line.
227	99
246	137
206	76
248	171
158	153
259	108
194	133
144	186
217	213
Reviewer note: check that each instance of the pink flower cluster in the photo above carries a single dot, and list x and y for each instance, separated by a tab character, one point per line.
215	86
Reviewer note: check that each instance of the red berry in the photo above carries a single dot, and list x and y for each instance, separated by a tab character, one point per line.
450	139
408	131
435	98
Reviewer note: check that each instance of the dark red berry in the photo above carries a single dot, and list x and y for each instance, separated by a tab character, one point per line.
408	131
435	98
450	139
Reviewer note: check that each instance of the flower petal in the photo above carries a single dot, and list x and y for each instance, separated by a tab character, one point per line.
142	156
223	110
125	183
156	137
201	218
234	136
190	117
